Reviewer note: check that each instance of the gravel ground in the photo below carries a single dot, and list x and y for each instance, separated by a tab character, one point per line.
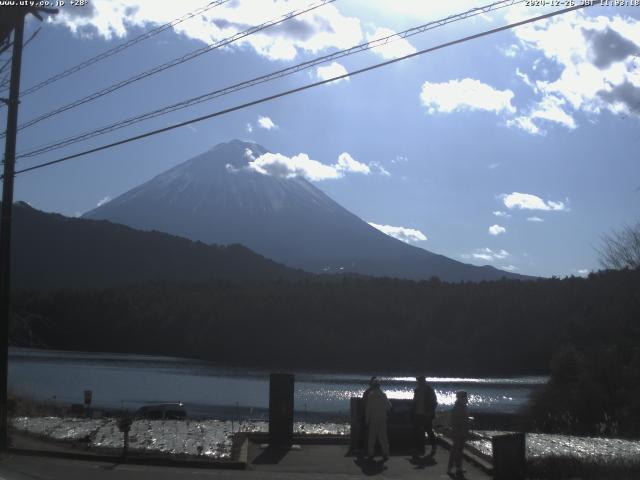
174	437
586	449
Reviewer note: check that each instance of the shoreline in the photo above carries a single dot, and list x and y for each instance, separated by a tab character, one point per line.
104	355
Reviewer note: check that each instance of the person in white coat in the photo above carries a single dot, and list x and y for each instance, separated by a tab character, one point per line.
377	408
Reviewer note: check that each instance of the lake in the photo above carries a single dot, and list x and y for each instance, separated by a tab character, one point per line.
130	381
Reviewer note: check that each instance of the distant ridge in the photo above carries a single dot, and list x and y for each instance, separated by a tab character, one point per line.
54	251
216	199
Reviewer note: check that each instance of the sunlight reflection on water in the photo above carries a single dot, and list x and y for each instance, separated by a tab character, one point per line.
129	382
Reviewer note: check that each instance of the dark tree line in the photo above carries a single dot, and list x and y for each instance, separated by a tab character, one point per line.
503	327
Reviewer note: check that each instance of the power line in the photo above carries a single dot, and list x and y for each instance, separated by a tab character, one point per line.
5	81
26	42
121	47
266	78
304	87
174	62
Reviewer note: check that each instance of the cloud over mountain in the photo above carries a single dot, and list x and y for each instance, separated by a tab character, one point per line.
266	123
487	254
278	165
404	234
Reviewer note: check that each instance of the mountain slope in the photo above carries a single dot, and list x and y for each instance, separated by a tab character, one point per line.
52	251
215	199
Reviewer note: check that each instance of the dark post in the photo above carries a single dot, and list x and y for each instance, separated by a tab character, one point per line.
88	394
509	456
124	425
5	222
281	409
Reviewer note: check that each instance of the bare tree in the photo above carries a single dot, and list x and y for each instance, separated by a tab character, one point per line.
621	248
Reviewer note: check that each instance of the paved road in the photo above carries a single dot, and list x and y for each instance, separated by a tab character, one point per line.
317	462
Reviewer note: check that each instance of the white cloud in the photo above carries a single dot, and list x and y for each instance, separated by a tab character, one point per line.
249	128
400	159
509	51
346	163
321	29
493	166
499	213
526	201
487	254
526	80
525	123
509	268
550	108
534	219
596	57
393	48
266	123
404	234
104	200
584	272
417	10
380	168
278	165
466	94
335	69
497	230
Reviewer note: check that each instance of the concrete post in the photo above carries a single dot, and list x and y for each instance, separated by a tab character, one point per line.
509	456
281	409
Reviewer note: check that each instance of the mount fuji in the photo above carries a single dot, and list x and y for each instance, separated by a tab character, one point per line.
215	198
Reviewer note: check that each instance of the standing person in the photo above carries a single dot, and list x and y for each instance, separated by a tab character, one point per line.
377	408
362	437
369	388
460	430
423	413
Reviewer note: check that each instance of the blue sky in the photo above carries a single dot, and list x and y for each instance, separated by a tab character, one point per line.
517	150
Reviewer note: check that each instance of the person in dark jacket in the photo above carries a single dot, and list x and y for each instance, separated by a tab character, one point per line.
423	413
460	424
362	440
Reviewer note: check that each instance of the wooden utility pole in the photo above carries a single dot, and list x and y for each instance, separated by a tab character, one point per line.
14	20
5	225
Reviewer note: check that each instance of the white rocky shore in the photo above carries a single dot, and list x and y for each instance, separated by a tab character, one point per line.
596	450
210	438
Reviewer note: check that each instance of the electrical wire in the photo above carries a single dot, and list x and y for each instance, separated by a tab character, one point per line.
265	78
304	87
173	63
121	47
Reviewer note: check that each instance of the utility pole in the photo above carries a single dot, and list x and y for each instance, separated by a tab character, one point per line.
14	21
5	226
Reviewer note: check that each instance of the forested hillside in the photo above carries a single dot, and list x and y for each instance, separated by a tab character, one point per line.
54	251
489	328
